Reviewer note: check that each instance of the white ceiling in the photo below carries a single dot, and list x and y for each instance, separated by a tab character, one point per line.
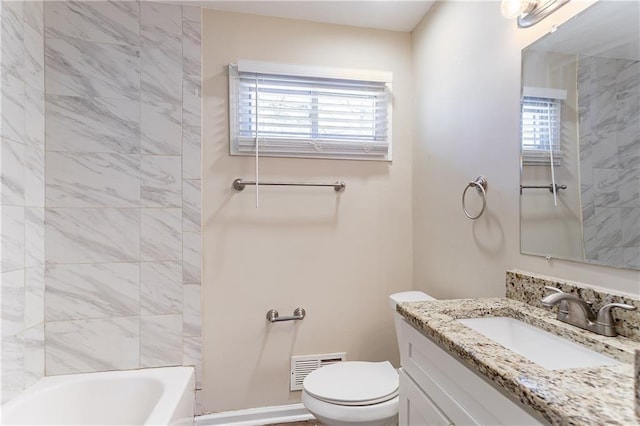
396	15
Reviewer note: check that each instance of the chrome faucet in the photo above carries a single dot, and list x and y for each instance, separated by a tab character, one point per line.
563	309
575	311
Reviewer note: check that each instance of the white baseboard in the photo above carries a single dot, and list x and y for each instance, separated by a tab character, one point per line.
257	416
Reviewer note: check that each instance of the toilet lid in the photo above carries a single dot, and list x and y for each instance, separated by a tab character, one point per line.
353	383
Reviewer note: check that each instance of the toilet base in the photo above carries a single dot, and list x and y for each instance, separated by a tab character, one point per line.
332	422
381	414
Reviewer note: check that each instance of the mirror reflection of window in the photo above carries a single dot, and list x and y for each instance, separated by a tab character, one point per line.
595	58
541	119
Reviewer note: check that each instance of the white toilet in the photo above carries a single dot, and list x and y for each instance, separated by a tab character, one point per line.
358	392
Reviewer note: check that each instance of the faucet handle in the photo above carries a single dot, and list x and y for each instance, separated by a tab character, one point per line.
604	314
563	307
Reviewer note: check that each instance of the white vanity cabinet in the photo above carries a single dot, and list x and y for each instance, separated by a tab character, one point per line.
437	389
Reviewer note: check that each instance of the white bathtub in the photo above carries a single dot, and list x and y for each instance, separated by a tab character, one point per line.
155	396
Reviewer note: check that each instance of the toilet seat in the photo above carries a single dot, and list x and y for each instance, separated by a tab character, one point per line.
353	383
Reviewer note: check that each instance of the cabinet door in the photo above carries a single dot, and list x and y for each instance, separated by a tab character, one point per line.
465	397
416	408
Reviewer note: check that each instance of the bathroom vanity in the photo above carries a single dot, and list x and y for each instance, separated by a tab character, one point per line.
453	374
438	389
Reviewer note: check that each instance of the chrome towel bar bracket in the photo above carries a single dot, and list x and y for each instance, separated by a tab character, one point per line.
481	185
298	314
239	184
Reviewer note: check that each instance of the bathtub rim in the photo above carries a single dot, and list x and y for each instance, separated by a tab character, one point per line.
178	389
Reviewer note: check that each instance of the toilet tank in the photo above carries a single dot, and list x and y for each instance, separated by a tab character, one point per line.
405	296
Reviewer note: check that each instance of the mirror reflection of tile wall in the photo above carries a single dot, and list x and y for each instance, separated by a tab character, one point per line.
609	93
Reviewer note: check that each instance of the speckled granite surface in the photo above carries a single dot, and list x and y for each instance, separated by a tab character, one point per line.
636	373
600	395
529	288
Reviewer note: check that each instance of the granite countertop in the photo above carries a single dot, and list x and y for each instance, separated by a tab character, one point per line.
597	395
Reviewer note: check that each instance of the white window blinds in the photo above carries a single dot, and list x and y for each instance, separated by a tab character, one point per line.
540	128
308	116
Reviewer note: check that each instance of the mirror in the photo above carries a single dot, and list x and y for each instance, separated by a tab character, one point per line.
581	130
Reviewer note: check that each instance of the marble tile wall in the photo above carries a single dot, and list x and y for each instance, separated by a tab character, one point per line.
122	186
609	120
22	198
121	196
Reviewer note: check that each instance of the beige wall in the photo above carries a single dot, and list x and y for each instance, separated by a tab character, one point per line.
337	256
467	87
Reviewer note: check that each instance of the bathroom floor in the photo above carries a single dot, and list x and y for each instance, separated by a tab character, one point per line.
307	423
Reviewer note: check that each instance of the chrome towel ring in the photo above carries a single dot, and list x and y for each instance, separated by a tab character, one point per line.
481	185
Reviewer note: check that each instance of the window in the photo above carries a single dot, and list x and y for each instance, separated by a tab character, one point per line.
292	111
540	126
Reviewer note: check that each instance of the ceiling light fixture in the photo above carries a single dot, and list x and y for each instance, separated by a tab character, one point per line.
529	12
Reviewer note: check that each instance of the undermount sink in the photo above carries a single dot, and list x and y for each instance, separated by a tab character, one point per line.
539	346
